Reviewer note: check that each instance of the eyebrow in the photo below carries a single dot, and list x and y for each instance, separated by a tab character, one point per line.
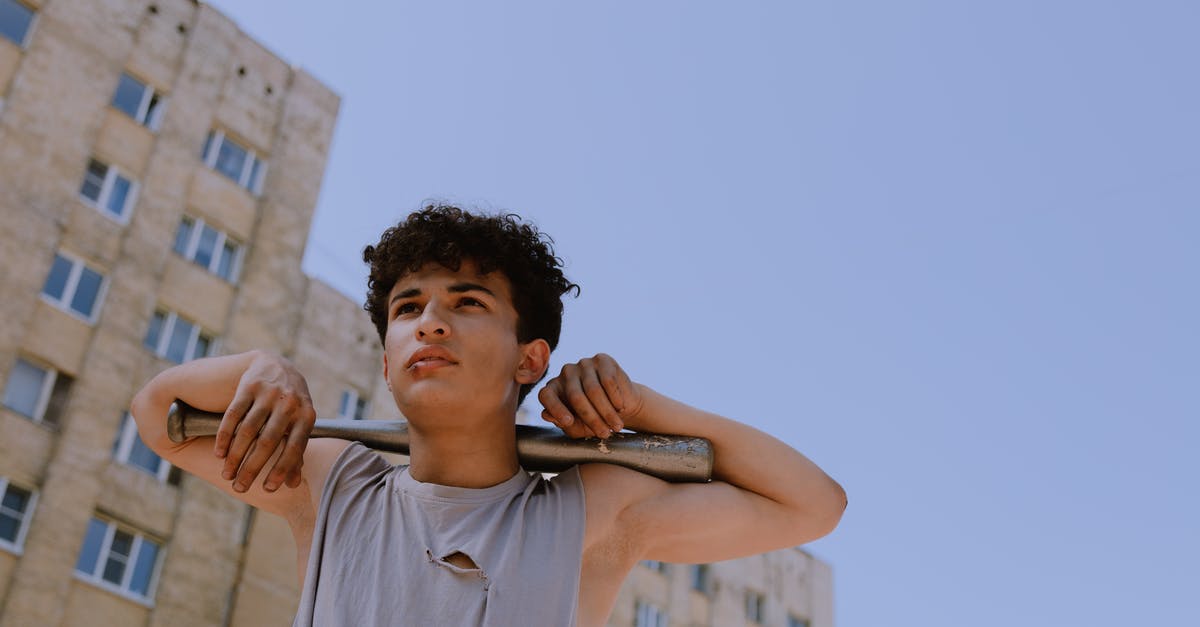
457	288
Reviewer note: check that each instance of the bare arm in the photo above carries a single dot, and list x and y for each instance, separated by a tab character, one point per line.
268	416
765	495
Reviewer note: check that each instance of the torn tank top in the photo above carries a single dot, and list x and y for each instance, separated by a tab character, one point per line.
384	550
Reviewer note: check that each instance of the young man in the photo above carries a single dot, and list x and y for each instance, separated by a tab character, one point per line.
468	308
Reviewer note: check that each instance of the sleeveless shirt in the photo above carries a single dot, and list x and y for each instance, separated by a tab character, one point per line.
381	540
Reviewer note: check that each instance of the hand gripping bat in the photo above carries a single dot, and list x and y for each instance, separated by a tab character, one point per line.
674	458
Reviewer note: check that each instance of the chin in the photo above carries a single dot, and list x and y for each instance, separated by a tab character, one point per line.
428	399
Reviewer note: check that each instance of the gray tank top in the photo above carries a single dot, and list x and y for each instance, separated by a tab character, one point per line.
381	540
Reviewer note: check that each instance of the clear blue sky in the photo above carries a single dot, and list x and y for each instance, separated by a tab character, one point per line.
949	250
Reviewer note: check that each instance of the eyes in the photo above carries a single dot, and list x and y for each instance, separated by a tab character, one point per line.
413	307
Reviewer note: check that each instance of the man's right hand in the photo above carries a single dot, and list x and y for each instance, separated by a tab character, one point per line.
271	408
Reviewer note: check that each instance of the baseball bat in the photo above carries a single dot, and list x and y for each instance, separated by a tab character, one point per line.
675	458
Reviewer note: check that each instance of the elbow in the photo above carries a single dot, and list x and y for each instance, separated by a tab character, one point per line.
837	505
149	415
822	514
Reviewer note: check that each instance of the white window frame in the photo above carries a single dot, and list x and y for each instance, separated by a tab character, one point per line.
656	566
95	578
756	606
235	268
215	139
101	202
168	329
796	621
44	395
125	440
351	404
646	614
77	266
33	22
148	94
17	546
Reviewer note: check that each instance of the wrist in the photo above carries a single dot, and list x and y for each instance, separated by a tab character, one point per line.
637	416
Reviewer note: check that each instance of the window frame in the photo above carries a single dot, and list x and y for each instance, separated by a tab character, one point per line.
354	399
43	395
168	329
124	446
101	202
214	264
700	579
655	566
64	304
758	601
135	549
143	115
250	179
647	614
17	546
796	621
33	20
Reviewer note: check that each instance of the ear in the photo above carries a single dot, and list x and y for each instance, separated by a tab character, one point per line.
535	358
385	371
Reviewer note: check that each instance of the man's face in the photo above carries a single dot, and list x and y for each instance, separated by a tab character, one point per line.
451	344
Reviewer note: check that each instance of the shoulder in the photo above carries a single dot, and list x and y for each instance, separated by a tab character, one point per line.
324	456
611	492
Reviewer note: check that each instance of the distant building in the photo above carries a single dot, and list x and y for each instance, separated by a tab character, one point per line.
787	588
158	174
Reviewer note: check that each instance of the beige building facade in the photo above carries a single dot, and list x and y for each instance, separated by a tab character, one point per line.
158	174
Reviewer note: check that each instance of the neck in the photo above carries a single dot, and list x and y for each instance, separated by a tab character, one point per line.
468	456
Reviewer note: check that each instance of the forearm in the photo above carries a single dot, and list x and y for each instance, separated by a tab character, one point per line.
746	457
207	384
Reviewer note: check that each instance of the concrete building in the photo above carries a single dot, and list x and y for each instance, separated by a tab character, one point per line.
158	174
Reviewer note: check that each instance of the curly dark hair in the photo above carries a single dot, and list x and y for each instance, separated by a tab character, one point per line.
447	235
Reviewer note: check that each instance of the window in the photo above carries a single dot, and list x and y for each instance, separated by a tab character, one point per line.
16	508
658	567
211	249
119	559
176	339
352	407
129	449
235	161
105	188
36	392
700	579
139	101
15	19
74	287
754	606
649	615
794	621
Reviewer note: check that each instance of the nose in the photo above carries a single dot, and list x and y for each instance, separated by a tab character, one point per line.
432	325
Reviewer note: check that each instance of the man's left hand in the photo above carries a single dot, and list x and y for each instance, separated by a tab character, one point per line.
591	398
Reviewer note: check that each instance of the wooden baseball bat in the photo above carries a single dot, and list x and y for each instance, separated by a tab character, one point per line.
675	458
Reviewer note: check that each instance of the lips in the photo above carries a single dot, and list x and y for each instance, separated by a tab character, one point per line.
430	356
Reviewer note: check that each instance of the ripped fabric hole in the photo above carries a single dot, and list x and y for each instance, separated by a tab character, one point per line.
460	563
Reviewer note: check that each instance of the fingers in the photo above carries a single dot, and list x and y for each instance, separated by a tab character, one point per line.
294	477
229	421
268	423
611	377
583	399
244	435
575	430
595	406
555	410
271	436
287	467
